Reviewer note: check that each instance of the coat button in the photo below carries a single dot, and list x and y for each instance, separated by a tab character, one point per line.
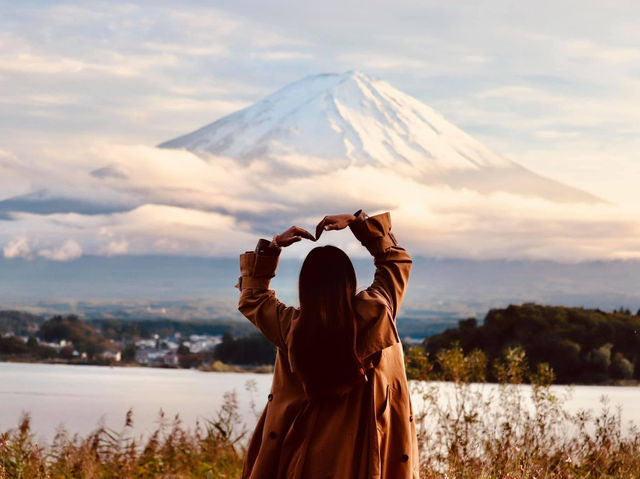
270	397
405	458
410	418
272	435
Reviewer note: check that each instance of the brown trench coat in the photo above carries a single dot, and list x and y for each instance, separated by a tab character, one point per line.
369	433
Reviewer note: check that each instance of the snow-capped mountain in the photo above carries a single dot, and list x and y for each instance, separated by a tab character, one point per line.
332	121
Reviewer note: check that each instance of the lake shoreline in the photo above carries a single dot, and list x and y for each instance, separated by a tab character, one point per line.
220	367
215	367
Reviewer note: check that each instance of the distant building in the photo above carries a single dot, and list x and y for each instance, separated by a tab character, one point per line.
171	359
112	356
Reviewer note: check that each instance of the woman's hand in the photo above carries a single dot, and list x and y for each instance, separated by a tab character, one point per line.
292	235
334	222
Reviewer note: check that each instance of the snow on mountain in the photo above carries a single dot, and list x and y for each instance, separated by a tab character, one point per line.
333	121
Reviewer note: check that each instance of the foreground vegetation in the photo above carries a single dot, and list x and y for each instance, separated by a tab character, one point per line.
469	430
465	430
210	450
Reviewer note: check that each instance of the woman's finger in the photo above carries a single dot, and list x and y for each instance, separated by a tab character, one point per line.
304	233
320	228
292	239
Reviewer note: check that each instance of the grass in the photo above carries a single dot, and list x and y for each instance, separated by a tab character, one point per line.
172	451
220	367
511	431
464	431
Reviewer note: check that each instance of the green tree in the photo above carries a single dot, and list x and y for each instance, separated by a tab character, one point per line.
13	345
254	349
32	343
600	358
621	367
455	366
513	367
575	342
66	352
129	353
417	363
71	328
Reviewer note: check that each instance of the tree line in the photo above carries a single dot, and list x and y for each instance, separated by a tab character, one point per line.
587	346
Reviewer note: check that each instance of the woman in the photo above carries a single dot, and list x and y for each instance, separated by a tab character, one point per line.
339	405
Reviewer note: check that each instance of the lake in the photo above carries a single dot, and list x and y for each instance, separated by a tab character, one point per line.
81	397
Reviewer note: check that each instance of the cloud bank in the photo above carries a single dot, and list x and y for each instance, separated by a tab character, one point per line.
174	202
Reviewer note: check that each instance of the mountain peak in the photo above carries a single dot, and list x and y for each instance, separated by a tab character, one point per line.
331	121
334	79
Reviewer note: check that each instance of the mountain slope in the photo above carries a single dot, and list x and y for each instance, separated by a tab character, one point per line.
331	121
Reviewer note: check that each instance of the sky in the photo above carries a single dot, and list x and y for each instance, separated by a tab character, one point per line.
554	86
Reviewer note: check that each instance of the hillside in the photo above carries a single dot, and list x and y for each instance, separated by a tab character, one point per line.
581	345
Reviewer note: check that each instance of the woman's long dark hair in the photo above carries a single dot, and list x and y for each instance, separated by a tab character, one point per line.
323	345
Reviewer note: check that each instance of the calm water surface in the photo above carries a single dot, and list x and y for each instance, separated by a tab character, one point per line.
81	397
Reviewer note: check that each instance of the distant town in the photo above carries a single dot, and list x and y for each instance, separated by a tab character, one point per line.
160	343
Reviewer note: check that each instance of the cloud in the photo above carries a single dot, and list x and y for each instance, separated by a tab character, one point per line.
68	251
17	55
21	247
14	179
147	229
116	247
284	55
557	135
18	248
188	205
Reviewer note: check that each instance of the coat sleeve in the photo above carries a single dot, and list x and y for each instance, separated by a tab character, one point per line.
257	302
392	262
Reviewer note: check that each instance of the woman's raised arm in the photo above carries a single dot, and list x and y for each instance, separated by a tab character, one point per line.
393	263
257	302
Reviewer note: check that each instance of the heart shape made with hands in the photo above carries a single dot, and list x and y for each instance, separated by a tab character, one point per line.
328	223
333	222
